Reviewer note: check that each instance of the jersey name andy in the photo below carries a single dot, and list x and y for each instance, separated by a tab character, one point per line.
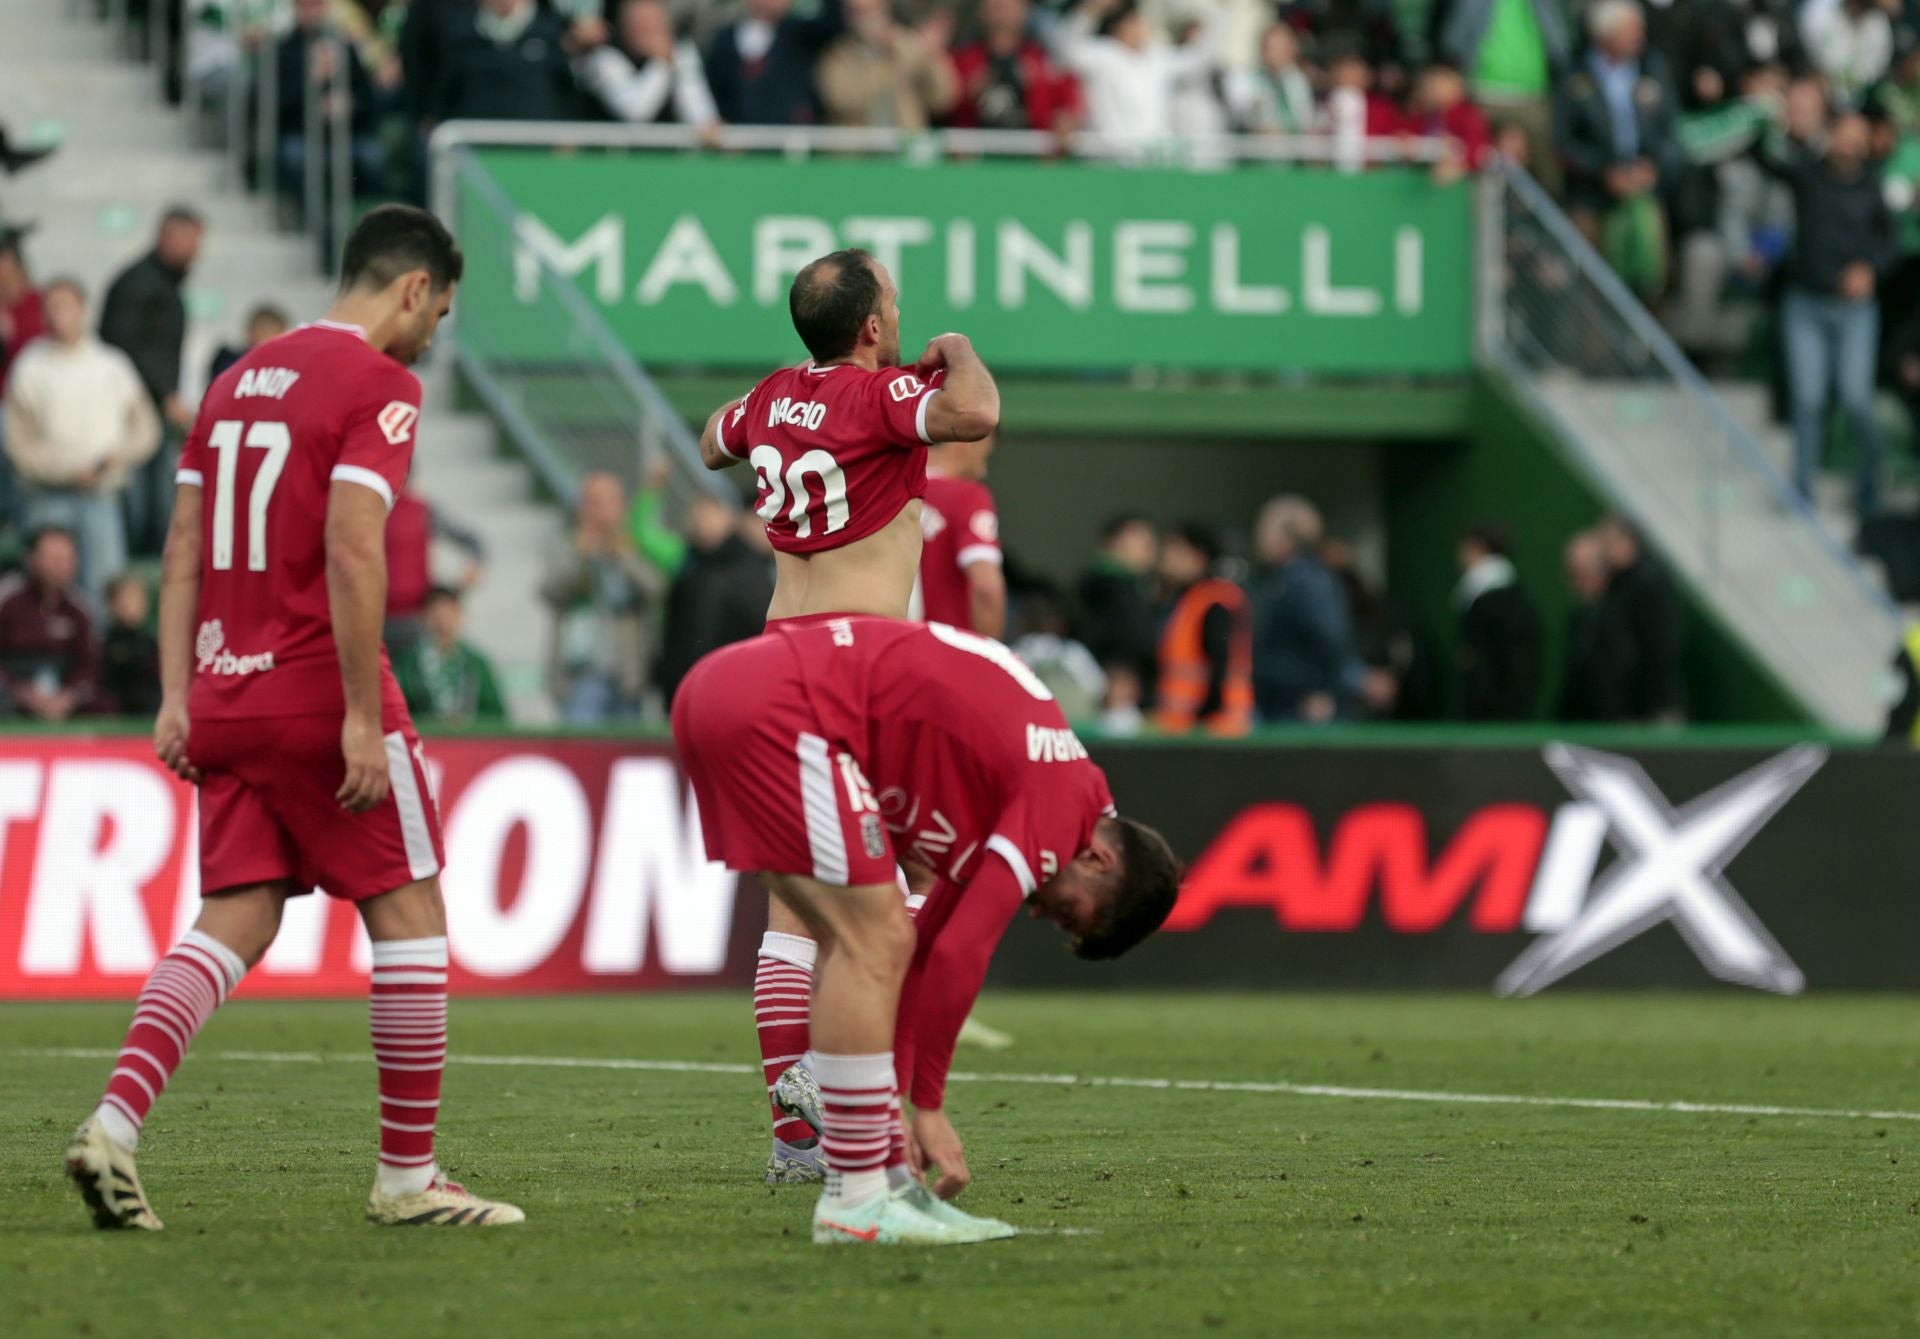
272	383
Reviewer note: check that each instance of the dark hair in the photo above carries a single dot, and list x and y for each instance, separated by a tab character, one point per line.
1493	536
1117	525
1202	536
40	533
831	300
267	311
1147	887
437	593
182	214
1117	16
394	240
121	582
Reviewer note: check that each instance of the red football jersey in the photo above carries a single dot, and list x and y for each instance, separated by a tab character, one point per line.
837	451
274	432
961	528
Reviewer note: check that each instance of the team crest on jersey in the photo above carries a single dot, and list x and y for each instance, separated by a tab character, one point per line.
985	526
905	388
931	524
396	421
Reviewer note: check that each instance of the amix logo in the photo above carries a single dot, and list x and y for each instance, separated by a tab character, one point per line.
1514	868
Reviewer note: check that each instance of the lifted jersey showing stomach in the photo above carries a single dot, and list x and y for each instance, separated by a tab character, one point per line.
836	451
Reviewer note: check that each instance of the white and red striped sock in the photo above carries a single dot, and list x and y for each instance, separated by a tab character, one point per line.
898	1173
185	988
408	1016
856	1104
782	994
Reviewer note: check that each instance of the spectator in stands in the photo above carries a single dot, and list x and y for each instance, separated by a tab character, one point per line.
761	65
1500	639
1614	123
79	424
1200	112
1512	52
145	316
506	60
1645	615
1402	680
23	315
309	55
600	590
1044	645
1593	677
1368	28
1276	96
646	75
1119	623
1439	108
1205	676
129	653
1305	666
1851	42
49	660
442	677
1007	79
1128	72
264	322
1830	313
1356	111
412	527
719	596
880	73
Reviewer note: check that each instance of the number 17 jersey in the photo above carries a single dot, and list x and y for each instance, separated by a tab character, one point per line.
275	432
836	451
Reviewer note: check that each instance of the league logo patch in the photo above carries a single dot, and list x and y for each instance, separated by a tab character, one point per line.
871	836
985	526
396	421
905	388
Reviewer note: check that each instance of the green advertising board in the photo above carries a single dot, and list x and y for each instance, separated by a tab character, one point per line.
1048	266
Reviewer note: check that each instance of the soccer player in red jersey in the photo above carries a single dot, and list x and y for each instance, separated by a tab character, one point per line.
279	703
823	752
838	446
961	581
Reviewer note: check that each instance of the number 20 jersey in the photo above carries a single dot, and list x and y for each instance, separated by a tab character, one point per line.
275	431
836	451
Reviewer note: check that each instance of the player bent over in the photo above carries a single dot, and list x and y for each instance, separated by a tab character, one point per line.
821	753
838	446
279	703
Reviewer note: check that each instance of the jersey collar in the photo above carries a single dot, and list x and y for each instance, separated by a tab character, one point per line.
341	326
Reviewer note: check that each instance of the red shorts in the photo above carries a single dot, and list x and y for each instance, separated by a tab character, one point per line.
268	812
776	795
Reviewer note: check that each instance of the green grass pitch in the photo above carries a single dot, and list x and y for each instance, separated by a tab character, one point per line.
1194	1211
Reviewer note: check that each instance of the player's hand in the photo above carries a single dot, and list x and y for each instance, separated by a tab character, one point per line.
940	1147
366	756
938	352
170	741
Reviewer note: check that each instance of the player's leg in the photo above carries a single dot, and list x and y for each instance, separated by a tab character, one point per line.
782	995
407	1020
233	930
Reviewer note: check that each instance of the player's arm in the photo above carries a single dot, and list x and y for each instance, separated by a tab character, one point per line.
357	596
946	980
987	598
966	407
179	611
716	452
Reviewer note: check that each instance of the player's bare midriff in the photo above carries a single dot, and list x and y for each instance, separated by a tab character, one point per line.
869	576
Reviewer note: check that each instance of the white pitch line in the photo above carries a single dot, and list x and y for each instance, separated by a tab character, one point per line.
1054	1081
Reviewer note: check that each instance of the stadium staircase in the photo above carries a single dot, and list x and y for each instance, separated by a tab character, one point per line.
125	155
1705	479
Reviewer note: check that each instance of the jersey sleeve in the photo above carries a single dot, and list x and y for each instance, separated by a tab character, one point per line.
977	535
376	441
900	401
729	434
192	468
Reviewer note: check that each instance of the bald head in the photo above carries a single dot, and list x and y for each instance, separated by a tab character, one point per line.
1289	524
844	306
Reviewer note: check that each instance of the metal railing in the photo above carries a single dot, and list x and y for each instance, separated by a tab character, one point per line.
585	405
1647	427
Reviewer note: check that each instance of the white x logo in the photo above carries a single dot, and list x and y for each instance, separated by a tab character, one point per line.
1670	869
